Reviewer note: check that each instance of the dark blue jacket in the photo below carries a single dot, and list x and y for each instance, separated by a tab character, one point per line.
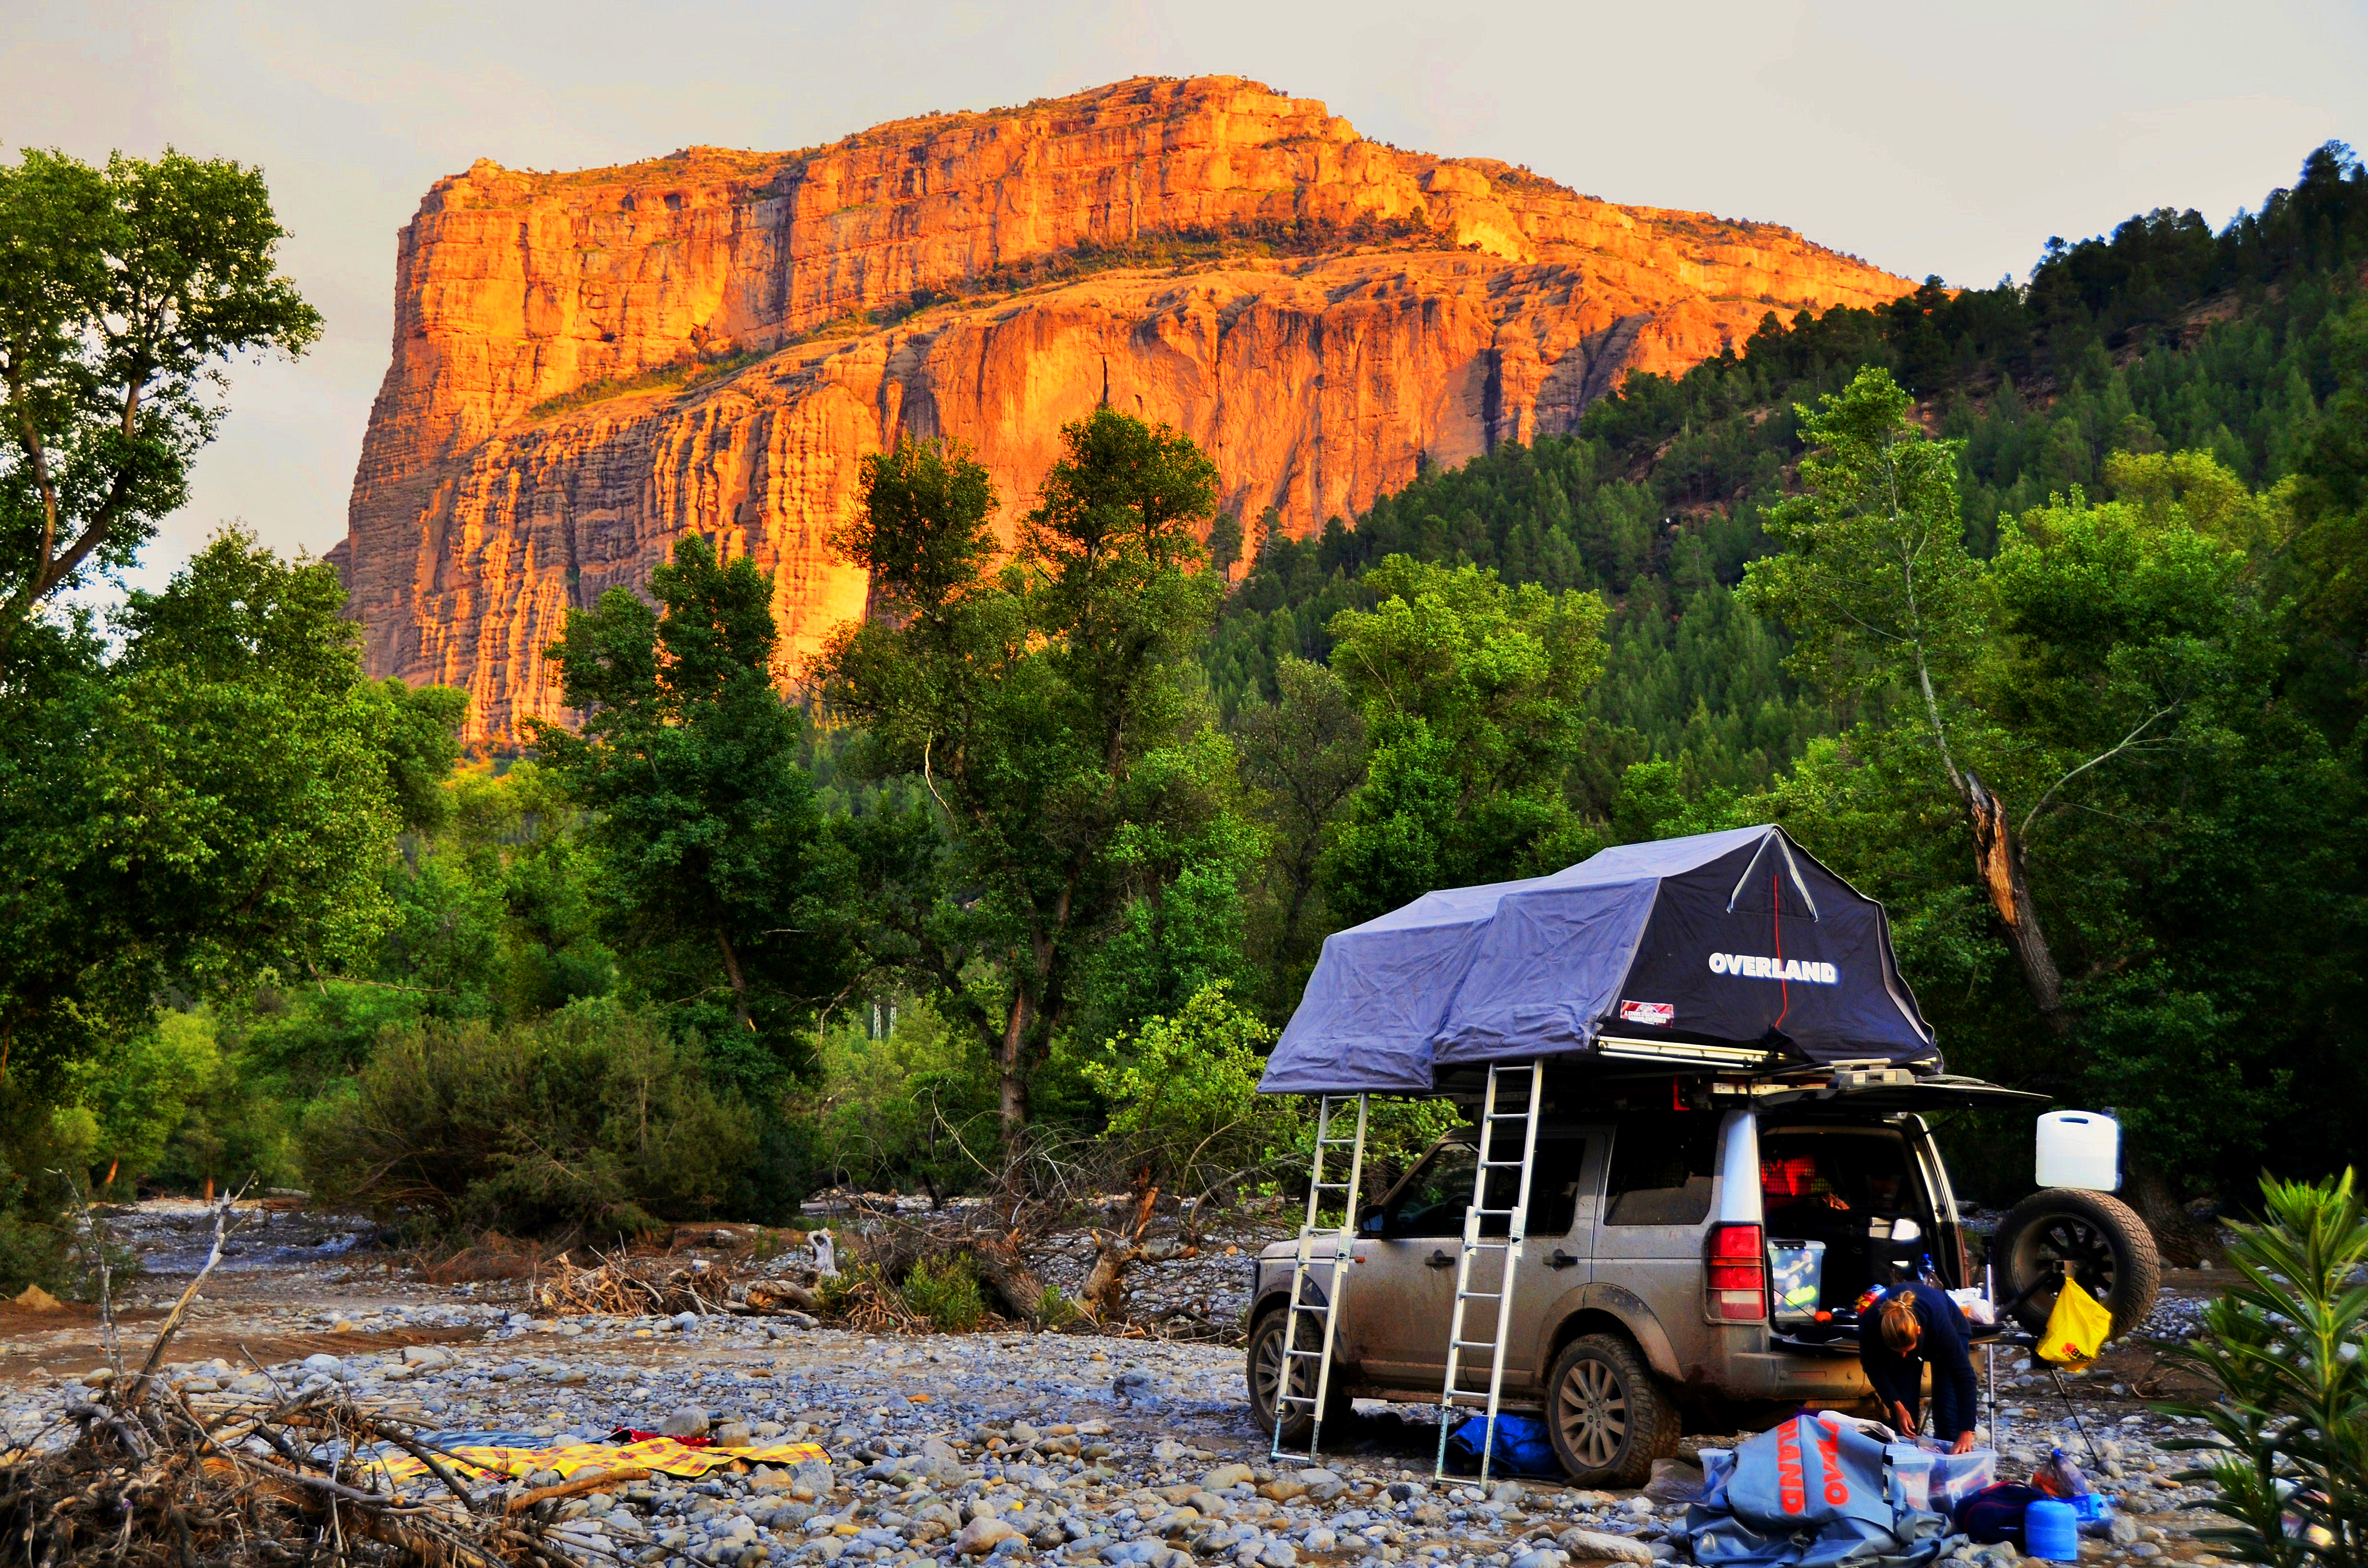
1944	1346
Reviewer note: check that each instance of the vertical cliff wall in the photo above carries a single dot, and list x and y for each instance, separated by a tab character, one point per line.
588	366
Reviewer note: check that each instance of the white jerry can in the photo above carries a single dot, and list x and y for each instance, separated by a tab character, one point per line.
2080	1149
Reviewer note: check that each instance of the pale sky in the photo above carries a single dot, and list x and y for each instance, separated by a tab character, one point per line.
1949	139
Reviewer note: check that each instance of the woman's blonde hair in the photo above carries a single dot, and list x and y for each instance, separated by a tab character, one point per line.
1901	1327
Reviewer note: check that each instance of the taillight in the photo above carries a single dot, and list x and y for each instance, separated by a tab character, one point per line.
1735	1274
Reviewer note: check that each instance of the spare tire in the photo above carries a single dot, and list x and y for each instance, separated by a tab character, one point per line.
2107	1246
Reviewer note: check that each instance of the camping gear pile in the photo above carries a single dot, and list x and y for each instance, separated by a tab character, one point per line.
1809	1493
1826	1490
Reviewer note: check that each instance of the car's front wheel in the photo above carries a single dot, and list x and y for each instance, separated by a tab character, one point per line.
1610	1418
1265	1364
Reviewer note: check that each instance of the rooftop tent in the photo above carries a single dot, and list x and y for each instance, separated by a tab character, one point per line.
1737	939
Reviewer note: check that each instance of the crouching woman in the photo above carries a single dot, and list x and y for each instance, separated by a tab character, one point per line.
1916	1326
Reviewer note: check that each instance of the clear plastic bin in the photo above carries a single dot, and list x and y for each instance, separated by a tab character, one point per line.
1796	1273
1956	1477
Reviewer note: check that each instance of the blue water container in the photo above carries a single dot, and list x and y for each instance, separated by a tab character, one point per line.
2051	1529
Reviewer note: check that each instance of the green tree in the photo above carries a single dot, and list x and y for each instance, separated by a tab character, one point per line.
1042	707
716	884
125	292
1472	693
213	807
494	914
2116	671
1301	758
1884	599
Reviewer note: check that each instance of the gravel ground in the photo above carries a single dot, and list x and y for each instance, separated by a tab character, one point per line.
1060	1449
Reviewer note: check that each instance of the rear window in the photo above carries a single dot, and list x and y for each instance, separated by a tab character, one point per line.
1662	1163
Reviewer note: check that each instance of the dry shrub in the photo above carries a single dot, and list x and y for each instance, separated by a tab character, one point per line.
491	1256
152	1479
625	1285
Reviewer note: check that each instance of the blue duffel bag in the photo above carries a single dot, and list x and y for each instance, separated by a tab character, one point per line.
1523	1448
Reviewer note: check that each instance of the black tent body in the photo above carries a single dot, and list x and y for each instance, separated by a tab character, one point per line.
1732	947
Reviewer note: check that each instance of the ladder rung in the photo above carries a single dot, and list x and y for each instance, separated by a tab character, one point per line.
1475	1345
1479	1295
1307	1354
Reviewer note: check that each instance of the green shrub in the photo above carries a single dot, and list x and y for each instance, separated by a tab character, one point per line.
2288	1451
590	1122
120	1107
881	1109
946	1292
1184	1101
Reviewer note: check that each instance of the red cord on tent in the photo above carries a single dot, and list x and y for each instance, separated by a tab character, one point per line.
1776	918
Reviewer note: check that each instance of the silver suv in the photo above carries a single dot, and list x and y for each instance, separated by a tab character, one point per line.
1679	1265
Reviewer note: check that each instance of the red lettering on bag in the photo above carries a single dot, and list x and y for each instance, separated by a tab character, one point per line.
1830	1451
1792	1487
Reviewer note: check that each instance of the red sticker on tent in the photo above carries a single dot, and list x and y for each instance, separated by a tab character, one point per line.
1662	1013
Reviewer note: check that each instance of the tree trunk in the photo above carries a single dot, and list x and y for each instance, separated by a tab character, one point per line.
739	985
1104	1290
1005	1272
2180	1241
1012	1067
1998	860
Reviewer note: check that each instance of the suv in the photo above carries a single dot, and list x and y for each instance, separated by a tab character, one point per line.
1641	1301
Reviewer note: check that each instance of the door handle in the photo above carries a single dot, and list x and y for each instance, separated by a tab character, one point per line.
1560	1259
1439	1259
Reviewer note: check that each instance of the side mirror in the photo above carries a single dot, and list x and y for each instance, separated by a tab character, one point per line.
1905	1230
1369	1220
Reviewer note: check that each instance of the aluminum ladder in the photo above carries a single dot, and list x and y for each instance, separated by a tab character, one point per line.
1306	1263
1504	1087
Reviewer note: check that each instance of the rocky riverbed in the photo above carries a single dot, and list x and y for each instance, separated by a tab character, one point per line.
1066	1449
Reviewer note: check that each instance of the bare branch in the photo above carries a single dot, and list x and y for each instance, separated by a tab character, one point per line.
2125	743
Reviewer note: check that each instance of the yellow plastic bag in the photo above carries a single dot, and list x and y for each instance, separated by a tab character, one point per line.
2077	1329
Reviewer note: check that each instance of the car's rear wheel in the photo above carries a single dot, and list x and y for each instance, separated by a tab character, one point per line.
1609	1417
2096	1238
1265	1369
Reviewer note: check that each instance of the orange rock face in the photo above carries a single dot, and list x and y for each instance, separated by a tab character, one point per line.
1319	311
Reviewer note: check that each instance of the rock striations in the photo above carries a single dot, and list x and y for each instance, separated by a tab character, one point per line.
588	366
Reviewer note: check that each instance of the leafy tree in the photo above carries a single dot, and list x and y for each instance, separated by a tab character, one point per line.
1224	543
494	913
1182	1090
124	292
1471	691
213	807
122	1105
716	884
1184	1095
1884	599
1301	758
2114	671
1042	707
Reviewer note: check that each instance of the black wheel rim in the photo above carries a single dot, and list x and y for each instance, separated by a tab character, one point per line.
2067	1239
1591	1408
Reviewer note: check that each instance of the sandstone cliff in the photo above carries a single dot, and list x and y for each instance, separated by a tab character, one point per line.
589	365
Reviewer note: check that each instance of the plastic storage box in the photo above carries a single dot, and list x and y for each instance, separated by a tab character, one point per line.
2080	1148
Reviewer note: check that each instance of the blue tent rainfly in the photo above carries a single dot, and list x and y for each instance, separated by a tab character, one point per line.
1735	939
